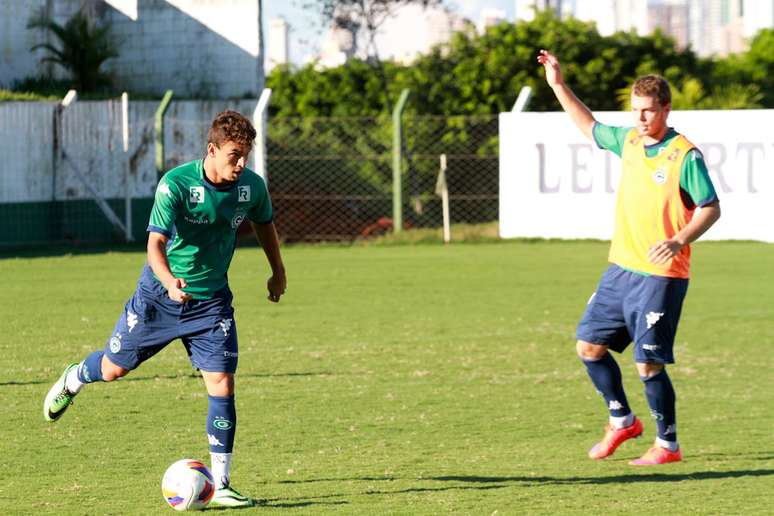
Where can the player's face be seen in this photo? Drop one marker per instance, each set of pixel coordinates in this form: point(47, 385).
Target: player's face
point(650, 116)
point(230, 160)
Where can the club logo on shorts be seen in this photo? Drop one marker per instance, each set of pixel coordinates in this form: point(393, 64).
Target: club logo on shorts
point(222, 424)
point(652, 318)
point(131, 320)
point(115, 343)
point(225, 326)
point(196, 194)
point(659, 177)
point(244, 193)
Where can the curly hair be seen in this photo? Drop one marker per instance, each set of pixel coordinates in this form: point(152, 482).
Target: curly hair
point(231, 126)
point(653, 86)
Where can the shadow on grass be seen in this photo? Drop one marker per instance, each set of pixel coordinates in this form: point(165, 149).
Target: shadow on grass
point(615, 479)
point(14, 383)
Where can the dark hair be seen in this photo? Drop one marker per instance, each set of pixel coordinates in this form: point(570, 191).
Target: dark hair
point(653, 86)
point(231, 126)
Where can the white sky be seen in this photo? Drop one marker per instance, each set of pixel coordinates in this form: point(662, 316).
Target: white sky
point(306, 30)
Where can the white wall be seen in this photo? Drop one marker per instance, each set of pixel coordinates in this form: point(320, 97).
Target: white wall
point(205, 48)
point(90, 138)
point(554, 183)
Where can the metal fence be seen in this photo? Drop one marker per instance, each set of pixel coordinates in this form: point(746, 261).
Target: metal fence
point(332, 178)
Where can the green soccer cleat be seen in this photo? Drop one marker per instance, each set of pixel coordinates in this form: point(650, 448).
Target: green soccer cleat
point(227, 496)
point(58, 397)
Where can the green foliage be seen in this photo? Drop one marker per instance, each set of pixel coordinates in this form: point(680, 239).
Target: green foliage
point(482, 74)
point(9, 96)
point(83, 48)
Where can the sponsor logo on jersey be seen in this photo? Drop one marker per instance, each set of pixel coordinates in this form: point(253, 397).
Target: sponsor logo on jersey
point(652, 318)
point(244, 193)
point(196, 194)
point(192, 220)
point(115, 343)
point(659, 177)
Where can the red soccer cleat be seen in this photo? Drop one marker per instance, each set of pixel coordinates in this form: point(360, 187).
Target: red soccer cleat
point(614, 437)
point(658, 455)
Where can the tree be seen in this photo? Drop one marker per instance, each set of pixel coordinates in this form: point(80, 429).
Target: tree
point(366, 15)
point(83, 48)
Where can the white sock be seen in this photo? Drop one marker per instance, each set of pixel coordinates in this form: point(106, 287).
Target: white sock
point(669, 445)
point(72, 383)
point(623, 421)
point(221, 469)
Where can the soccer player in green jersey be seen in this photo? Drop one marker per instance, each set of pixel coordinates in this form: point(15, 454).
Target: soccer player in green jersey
point(183, 290)
point(639, 297)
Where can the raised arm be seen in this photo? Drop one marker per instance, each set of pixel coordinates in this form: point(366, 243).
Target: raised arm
point(578, 111)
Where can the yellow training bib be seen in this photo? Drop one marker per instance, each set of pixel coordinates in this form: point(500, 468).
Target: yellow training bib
point(649, 207)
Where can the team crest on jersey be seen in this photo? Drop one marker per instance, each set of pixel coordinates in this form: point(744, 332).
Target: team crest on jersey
point(659, 177)
point(237, 220)
point(196, 194)
point(244, 193)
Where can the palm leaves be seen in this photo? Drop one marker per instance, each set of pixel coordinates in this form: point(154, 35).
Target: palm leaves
point(83, 47)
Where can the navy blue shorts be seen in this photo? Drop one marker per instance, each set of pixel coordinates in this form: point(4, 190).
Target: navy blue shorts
point(629, 307)
point(151, 320)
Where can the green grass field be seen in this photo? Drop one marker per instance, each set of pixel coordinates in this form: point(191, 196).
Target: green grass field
point(393, 380)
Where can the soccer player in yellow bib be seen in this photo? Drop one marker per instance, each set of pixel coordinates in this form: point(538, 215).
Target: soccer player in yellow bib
point(639, 297)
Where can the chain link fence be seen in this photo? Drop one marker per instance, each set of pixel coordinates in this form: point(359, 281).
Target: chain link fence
point(332, 178)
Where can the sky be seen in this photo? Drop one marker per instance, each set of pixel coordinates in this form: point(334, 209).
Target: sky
point(307, 30)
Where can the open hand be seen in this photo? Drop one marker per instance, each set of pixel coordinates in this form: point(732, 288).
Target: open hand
point(663, 251)
point(551, 65)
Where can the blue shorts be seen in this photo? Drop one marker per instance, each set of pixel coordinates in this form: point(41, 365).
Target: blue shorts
point(151, 320)
point(629, 307)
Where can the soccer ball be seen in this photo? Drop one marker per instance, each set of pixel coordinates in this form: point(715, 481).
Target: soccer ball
point(187, 485)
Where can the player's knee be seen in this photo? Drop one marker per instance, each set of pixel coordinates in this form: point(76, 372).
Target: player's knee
point(649, 369)
point(589, 351)
point(219, 384)
point(111, 371)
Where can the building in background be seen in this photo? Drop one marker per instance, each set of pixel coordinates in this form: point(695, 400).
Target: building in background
point(612, 16)
point(525, 9)
point(277, 43)
point(489, 18)
point(196, 48)
point(672, 18)
point(428, 27)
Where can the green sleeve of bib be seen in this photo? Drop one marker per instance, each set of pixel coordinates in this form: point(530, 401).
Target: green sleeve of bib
point(695, 179)
point(610, 137)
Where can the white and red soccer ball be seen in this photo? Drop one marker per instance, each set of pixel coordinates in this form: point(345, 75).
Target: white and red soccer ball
point(187, 485)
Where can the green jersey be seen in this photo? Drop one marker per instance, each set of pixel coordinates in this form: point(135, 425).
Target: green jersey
point(695, 182)
point(201, 221)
